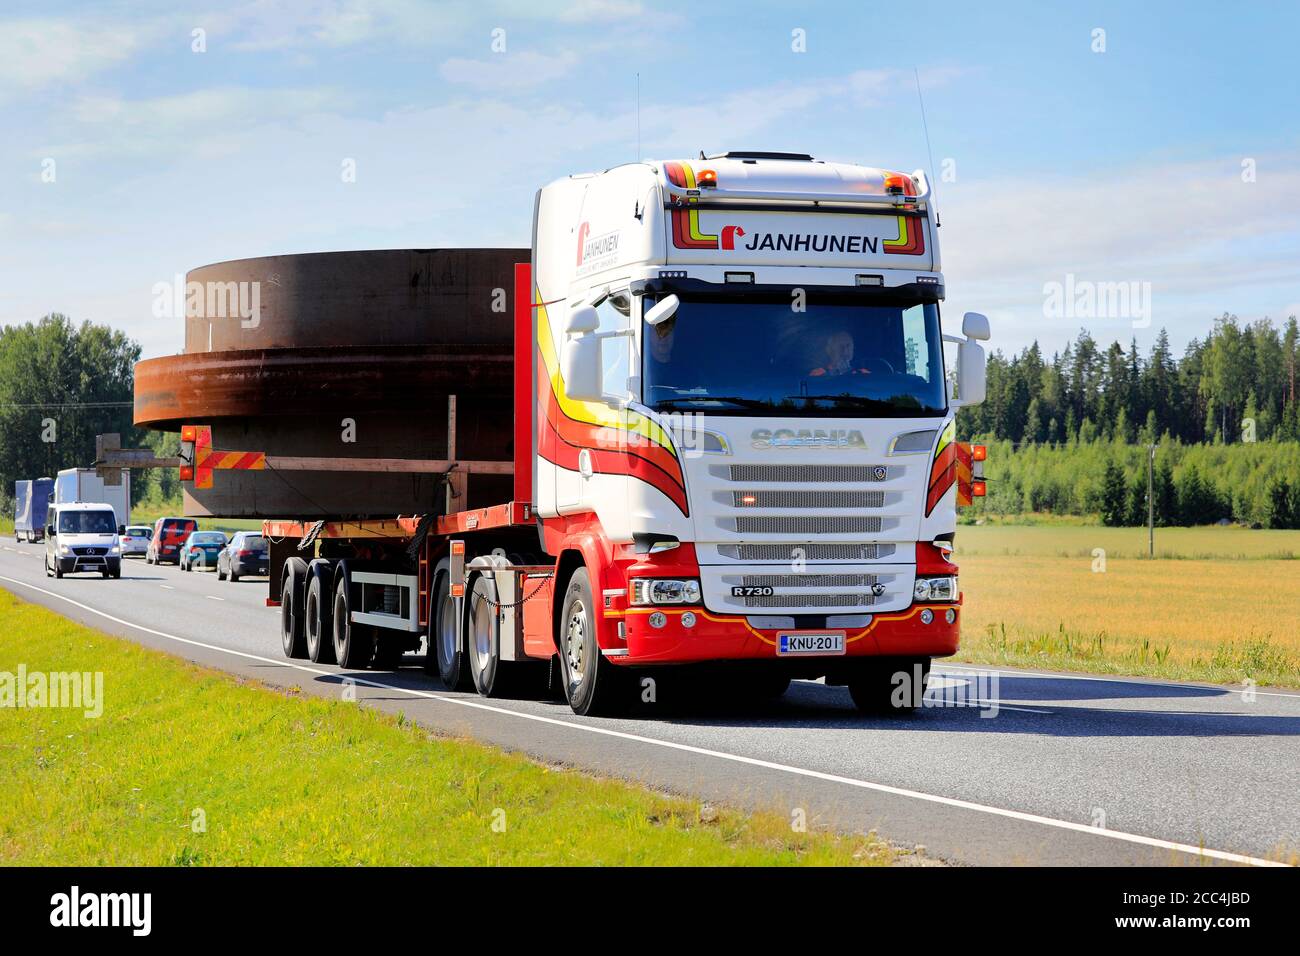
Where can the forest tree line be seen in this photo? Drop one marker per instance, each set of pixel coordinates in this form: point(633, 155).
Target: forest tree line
point(1069, 434)
point(61, 384)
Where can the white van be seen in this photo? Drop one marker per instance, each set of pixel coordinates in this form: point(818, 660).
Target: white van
point(82, 537)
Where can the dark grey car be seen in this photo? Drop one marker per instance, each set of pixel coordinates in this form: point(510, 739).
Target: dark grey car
point(245, 554)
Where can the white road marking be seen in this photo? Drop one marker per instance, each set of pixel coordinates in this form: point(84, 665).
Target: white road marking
point(167, 587)
point(699, 751)
point(213, 598)
point(1116, 679)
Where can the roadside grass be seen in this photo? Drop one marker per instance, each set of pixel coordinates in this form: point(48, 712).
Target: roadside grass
point(1222, 621)
point(279, 778)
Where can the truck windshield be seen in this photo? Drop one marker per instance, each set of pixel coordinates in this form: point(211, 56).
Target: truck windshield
point(760, 355)
point(87, 522)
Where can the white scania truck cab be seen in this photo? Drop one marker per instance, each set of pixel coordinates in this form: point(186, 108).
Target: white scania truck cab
point(743, 376)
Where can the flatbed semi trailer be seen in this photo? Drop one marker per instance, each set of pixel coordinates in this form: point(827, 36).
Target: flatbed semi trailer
point(733, 445)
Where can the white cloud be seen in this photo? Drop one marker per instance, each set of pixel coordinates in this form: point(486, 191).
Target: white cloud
point(1193, 230)
point(590, 11)
point(37, 53)
point(508, 71)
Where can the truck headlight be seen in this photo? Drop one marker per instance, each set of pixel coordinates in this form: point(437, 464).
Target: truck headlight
point(936, 589)
point(64, 549)
point(114, 549)
point(665, 591)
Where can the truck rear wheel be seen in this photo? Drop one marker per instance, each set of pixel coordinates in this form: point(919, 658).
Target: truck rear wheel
point(592, 684)
point(320, 633)
point(446, 652)
point(890, 686)
point(492, 676)
point(293, 637)
point(354, 644)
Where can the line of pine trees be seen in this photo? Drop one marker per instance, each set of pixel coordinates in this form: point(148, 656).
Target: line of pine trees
point(1069, 435)
point(1239, 383)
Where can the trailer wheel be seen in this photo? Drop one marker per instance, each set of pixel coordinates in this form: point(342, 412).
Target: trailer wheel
point(354, 644)
point(592, 684)
point(319, 624)
point(446, 657)
point(888, 686)
point(293, 636)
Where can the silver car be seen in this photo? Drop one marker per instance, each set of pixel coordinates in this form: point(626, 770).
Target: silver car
point(134, 541)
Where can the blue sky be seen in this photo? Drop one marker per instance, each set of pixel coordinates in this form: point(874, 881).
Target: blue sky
point(1115, 166)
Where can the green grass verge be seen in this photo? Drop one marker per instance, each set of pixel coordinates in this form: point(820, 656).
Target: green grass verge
point(282, 778)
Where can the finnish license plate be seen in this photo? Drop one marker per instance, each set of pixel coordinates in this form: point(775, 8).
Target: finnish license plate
point(811, 643)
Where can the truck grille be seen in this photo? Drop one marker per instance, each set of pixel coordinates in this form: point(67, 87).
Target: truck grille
point(810, 600)
point(803, 525)
point(808, 499)
point(795, 474)
point(808, 552)
point(809, 580)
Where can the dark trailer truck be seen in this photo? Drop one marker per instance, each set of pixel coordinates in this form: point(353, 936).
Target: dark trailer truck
point(31, 502)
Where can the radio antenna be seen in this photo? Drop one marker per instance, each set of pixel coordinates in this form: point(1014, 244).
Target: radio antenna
point(638, 117)
point(934, 180)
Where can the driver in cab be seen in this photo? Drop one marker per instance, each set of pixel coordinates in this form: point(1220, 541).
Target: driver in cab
point(839, 358)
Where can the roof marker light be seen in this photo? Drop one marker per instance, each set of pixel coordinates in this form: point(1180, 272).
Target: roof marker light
point(738, 276)
point(869, 280)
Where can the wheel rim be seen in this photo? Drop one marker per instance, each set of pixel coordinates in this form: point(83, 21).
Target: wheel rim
point(447, 632)
point(286, 619)
point(575, 642)
point(482, 618)
point(340, 614)
point(313, 622)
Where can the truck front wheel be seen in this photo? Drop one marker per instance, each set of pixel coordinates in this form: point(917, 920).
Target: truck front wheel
point(890, 686)
point(592, 684)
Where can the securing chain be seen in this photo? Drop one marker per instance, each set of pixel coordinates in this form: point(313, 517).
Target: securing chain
point(521, 602)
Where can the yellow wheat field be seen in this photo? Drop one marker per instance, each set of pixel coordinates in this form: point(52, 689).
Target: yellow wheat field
point(1218, 619)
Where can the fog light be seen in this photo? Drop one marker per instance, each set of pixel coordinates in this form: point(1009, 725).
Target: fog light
point(657, 619)
point(950, 616)
point(688, 619)
point(927, 616)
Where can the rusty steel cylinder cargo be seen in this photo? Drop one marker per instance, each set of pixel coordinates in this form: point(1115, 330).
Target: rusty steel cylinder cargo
point(342, 355)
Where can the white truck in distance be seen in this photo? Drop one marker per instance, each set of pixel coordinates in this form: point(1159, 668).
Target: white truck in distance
point(734, 447)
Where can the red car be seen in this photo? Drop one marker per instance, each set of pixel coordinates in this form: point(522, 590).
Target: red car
point(168, 536)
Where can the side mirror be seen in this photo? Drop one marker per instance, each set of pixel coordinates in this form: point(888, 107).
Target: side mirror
point(582, 318)
point(971, 373)
point(663, 310)
point(121, 529)
point(975, 325)
point(581, 366)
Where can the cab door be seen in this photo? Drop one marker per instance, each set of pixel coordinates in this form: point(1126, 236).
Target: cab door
point(51, 538)
point(574, 489)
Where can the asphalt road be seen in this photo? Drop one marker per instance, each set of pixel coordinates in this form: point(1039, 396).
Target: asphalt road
point(1036, 768)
